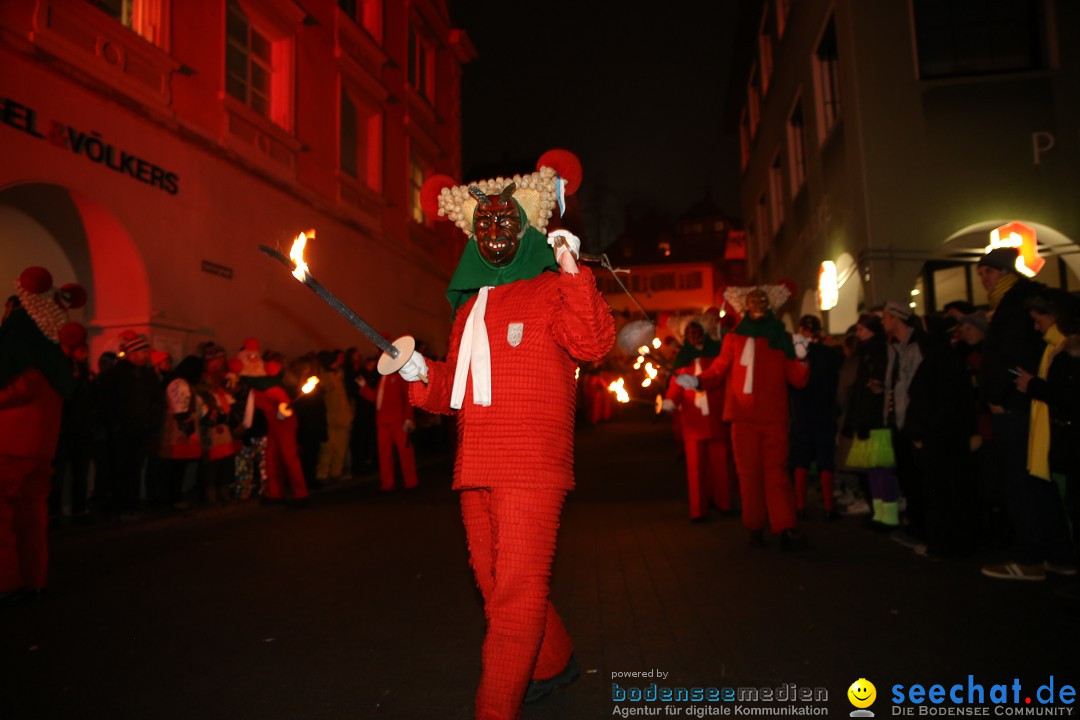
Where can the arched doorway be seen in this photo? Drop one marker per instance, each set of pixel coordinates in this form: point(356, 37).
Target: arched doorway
point(80, 241)
point(951, 275)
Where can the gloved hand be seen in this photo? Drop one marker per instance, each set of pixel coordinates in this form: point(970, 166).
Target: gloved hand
point(690, 382)
point(360, 381)
point(408, 426)
point(414, 369)
point(667, 406)
point(284, 411)
point(563, 241)
point(801, 348)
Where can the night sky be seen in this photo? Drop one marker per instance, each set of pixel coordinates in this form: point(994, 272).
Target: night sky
point(637, 93)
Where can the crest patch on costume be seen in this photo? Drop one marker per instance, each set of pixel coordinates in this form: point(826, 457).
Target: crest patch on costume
point(514, 332)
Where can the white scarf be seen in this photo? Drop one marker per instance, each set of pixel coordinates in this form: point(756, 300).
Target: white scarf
point(474, 354)
point(701, 398)
point(747, 361)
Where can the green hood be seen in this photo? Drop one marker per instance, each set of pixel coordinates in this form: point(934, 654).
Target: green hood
point(473, 272)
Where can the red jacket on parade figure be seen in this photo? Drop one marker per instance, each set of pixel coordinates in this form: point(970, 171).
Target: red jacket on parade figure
point(35, 377)
point(282, 453)
point(758, 362)
point(525, 318)
point(395, 421)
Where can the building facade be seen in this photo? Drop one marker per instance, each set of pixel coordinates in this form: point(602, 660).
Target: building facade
point(883, 142)
point(150, 147)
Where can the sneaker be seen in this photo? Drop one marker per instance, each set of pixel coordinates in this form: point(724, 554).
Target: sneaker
point(539, 689)
point(1059, 568)
point(1014, 571)
point(859, 507)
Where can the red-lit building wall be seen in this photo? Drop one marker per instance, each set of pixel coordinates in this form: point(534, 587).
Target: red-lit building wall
point(131, 166)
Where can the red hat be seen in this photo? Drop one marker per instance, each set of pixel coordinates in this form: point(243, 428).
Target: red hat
point(46, 305)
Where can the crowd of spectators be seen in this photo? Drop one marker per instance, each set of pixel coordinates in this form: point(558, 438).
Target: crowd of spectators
point(140, 435)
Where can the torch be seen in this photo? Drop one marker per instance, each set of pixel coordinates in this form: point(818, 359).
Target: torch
point(395, 354)
point(617, 387)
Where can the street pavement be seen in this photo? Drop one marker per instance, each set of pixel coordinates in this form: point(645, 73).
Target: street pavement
point(363, 606)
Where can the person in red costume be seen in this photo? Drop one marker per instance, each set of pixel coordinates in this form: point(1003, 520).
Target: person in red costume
point(282, 453)
point(525, 320)
point(35, 377)
point(758, 361)
point(706, 437)
point(395, 422)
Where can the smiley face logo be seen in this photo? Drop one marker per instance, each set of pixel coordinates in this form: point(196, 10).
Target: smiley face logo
point(862, 693)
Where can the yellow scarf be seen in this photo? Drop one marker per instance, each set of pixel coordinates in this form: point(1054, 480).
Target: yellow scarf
point(1003, 285)
point(1039, 430)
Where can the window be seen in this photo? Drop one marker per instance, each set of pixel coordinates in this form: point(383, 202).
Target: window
point(258, 66)
point(796, 148)
point(365, 13)
point(782, 9)
point(753, 100)
point(827, 81)
point(744, 139)
point(761, 218)
point(360, 145)
point(421, 65)
point(145, 17)
point(416, 181)
point(776, 193)
point(978, 37)
point(766, 52)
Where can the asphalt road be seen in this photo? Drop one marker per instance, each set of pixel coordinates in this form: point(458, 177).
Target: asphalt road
point(363, 606)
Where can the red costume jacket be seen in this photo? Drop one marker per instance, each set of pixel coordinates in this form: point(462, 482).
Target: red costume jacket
point(394, 408)
point(695, 424)
point(538, 330)
point(29, 417)
point(773, 372)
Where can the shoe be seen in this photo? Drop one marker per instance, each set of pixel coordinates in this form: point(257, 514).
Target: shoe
point(831, 516)
point(271, 501)
point(132, 517)
point(859, 507)
point(299, 504)
point(1015, 571)
point(699, 520)
point(792, 539)
point(757, 538)
point(1059, 568)
point(539, 689)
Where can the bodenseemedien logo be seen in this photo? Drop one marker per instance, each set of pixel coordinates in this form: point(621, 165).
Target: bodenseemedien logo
point(862, 694)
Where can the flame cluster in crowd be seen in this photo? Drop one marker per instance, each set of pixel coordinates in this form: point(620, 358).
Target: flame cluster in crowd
point(617, 387)
point(650, 370)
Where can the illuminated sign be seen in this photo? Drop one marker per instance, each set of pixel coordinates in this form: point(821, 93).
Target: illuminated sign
point(828, 286)
point(1020, 236)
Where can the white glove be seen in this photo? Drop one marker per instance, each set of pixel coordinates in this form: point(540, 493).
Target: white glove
point(801, 345)
point(408, 426)
point(414, 369)
point(573, 243)
point(667, 406)
point(690, 382)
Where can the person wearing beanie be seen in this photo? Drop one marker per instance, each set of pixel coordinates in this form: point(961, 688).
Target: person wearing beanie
point(36, 376)
point(1012, 345)
point(132, 405)
point(813, 417)
point(758, 361)
point(705, 435)
point(527, 315)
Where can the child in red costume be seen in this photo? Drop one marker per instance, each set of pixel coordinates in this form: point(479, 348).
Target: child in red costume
point(395, 422)
point(35, 376)
point(758, 361)
point(524, 321)
point(706, 437)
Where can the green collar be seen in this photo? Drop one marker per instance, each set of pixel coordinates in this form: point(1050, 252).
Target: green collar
point(769, 328)
point(473, 272)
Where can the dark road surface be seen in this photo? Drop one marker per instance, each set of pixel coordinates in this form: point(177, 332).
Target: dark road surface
point(363, 606)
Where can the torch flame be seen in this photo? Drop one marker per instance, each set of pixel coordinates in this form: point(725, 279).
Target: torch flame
point(296, 254)
point(309, 385)
point(656, 343)
point(620, 392)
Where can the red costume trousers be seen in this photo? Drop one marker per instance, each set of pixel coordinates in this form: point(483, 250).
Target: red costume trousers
point(708, 475)
point(512, 533)
point(391, 437)
point(761, 450)
point(283, 458)
point(24, 522)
